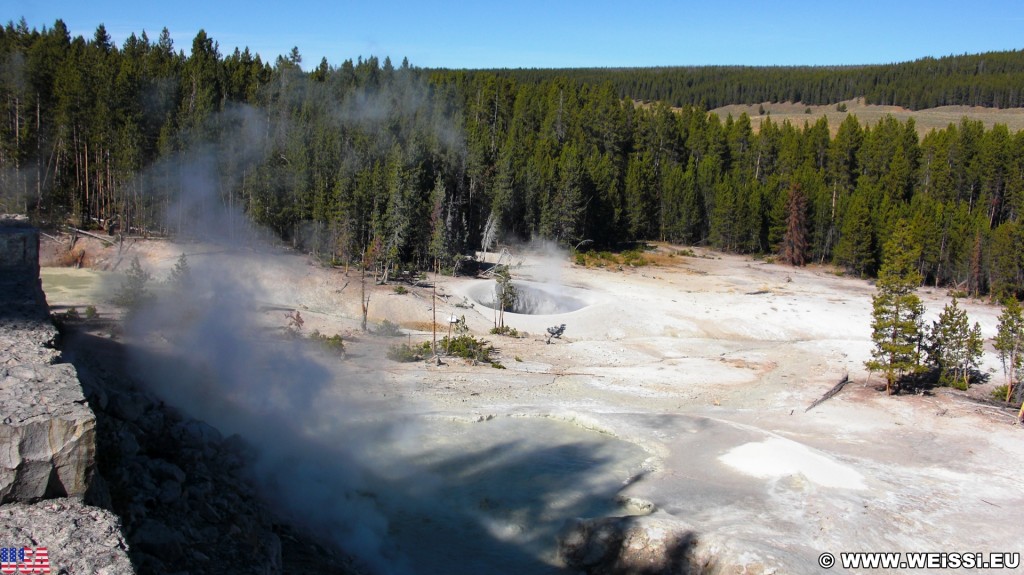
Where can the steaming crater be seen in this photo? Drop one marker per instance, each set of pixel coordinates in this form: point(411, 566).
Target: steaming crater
point(534, 298)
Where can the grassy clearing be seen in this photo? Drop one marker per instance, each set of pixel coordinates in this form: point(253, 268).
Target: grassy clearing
point(925, 120)
point(613, 260)
point(654, 254)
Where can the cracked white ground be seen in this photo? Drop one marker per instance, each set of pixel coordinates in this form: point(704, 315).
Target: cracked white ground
point(679, 389)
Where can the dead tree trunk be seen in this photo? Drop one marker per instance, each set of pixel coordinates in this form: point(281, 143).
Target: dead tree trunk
point(835, 389)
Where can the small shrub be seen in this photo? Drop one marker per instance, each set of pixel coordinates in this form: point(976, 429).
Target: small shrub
point(468, 347)
point(71, 313)
point(388, 329)
point(841, 107)
point(519, 359)
point(597, 259)
point(999, 393)
point(406, 353)
point(400, 290)
point(505, 330)
point(90, 312)
point(955, 384)
point(633, 258)
point(497, 365)
point(333, 343)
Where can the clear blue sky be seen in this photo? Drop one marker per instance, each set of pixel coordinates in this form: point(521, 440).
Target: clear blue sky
point(555, 33)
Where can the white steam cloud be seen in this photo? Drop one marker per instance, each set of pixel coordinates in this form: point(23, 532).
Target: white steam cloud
point(204, 351)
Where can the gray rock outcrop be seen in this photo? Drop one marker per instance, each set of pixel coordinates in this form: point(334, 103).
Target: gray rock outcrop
point(177, 484)
point(78, 538)
point(47, 432)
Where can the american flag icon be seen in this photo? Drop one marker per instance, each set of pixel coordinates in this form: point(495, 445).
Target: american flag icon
point(24, 560)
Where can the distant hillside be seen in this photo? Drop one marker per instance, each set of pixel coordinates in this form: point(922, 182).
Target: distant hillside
point(991, 80)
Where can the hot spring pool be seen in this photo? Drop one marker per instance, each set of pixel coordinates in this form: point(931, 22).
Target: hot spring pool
point(533, 298)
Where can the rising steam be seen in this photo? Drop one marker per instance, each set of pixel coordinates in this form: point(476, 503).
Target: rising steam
point(319, 449)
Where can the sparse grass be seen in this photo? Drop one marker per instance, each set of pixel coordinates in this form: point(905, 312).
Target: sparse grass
point(425, 326)
point(634, 258)
point(597, 259)
point(400, 290)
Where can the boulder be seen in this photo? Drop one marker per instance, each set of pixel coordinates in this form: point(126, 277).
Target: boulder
point(47, 433)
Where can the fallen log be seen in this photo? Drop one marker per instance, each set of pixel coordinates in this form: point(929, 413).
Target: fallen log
point(109, 240)
point(830, 393)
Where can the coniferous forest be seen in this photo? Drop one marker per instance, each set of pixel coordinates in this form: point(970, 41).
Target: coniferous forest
point(403, 165)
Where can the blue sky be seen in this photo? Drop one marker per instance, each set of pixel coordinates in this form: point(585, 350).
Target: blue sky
point(554, 33)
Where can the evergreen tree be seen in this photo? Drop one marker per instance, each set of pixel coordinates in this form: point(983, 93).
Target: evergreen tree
point(181, 275)
point(505, 294)
point(856, 248)
point(1009, 344)
point(896, 323)
point(133, 291)
point(794, 243)
point(954, 346)
point(440, 225)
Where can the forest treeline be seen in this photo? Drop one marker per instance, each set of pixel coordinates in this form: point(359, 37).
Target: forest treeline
point(992, 79)
point(404, 165)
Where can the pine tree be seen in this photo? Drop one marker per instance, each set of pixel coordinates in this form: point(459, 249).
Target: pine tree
point(856, 247)
point(896, 317)
point(181, 275)
point(954, 347)
point(1009, 344)
point(794, 243)
point(440, 212)
point(505, 294)
point(133, 291)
